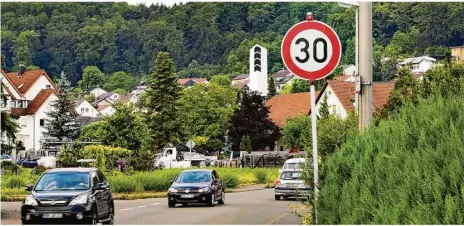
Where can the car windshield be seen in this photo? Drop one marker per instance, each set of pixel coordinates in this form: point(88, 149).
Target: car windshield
point(290, 176)
point(194, 177)
point(6, 157)
point(293, 166)
point(63, 181)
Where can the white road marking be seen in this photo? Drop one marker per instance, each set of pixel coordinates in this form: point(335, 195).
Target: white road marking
point(127, 209)
point(141, 206)
point(154, 204)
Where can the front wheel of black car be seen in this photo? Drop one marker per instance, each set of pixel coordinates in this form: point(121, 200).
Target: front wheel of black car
point(211, 200)
point(24, 222)
point(110, 220)
point(223, 198)
point(93, 220)
point(277, 197)
point(171, 204)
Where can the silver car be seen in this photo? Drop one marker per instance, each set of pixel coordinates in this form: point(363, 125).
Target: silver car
point(291, 184)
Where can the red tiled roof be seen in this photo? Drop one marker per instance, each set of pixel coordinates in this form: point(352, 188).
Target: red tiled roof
point(341, 78)
point(286, 106)
point(35, 104)
point(101, 107)
point(41, 97)
point(182, 81)
point(345, 92)
point(28, 78)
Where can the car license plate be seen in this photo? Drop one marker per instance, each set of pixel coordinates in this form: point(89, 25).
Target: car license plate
point(52, 215)
point(187, 196)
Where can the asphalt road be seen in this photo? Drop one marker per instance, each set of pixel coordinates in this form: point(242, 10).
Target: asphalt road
point(253, 207)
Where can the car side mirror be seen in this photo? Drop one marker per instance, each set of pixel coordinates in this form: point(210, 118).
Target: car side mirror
point(216, 181)
point(101, 186)
point(29, 188)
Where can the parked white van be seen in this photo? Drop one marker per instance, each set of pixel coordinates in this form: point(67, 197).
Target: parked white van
point(293, 164)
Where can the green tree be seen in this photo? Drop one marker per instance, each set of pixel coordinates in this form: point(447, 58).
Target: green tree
point(24, 47)
point(295, 133)
point(252, 119)
point(222, 80)
point(92, 77)
point(160, 102)
point(272, 88)
point(119, 80)
point(324, 110)
point(205, 112)
point(62, 119)
point(245, 144)
point(300, 86)
point(9, 127)
point(406, 90)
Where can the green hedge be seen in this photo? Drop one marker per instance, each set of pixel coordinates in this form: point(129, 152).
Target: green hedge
point(149, 181)
point(408, 170)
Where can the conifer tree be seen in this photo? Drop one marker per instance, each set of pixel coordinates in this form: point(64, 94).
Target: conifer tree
point(62, 122)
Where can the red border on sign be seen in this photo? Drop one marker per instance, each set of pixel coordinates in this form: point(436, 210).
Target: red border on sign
point(333, 38)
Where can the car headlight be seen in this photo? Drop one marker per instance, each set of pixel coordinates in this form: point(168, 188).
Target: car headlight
point(173, 190)
point(30, 200)
point(81, 199)
point(205, 189)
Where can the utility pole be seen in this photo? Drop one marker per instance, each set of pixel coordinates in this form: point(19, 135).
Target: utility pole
point(365, 64)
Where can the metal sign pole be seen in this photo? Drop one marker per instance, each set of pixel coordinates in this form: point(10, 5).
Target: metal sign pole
point(314, 136)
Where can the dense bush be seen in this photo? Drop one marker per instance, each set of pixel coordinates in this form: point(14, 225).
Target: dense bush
point(123, 185)
point(408, 170)
point(15, 182)
point(260, 175)
point(230, 180)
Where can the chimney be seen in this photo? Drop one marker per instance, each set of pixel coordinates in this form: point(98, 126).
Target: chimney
point(21, 70)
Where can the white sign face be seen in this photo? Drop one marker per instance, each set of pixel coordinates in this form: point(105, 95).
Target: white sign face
point(190, 144)
point(311, 50)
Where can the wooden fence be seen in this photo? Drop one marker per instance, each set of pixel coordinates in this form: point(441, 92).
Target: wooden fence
point(255, 161)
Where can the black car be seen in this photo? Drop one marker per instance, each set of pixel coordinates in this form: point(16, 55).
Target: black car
point(69, 196)
point(196, 186)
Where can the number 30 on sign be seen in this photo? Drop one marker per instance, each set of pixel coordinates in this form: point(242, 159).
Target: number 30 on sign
point(311, 50)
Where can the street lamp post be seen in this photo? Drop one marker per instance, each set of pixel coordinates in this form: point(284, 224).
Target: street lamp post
point(349, 5)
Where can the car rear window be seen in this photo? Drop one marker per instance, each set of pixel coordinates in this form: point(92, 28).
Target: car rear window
point(293, 166)
point(290, 176)
point(63, 181)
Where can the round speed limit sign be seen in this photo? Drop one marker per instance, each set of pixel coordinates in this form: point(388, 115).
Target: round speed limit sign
point(311, 50)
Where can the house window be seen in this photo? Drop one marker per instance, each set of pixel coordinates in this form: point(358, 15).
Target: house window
point(87, 110)
point(47, 86)
point(82, 110)
point(42, 122)
point(415, 67)
point(329, 93)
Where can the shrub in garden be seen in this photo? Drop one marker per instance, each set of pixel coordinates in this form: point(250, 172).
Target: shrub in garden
point(15, 182)
point(123, 184)
point(104, 154)
point(230, 180)
point(407, 170)
point(260, 175)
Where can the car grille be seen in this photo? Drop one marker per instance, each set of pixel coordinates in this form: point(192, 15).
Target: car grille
point(184, 190)
point(53, 202)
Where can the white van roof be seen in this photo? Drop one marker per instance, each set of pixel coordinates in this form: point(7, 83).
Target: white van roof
point(296, 160)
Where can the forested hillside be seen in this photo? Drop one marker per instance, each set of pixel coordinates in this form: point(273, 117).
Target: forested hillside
point(204, 38)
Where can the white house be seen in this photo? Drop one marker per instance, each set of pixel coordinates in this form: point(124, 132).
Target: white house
point(84, 108)
point(105, 99)
point(340, 96)
point(28, 96)
point(142, 87)
point(418, 64)
point(349, 70)
point(106, 110)
point(98, 91)
point(282, 78)
point(258, 70)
